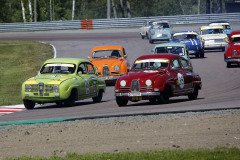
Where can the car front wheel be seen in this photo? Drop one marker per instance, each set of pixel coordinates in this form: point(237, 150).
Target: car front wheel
point(121, 102)
point(165, 95)
point(28, 104)
point(193, 95)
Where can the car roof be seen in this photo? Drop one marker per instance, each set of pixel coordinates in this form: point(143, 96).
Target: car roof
point(117, 47)
point(170, 44)
point(211, 27)
point(157, 56)
point(66, 60)
point(185, 32)
point(157, 22)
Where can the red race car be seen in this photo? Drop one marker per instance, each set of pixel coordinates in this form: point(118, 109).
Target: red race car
point(156, 78)
point(232, 53)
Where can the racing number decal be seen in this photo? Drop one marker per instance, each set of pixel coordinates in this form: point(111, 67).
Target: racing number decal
point(180, 80)
point(87, 86)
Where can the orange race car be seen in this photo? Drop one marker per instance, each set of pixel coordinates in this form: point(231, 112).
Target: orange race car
point(110, 62)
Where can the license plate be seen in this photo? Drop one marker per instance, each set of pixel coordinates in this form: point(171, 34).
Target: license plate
point(134, 94)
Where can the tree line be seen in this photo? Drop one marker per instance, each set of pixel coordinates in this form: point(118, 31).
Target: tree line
point(55, 10)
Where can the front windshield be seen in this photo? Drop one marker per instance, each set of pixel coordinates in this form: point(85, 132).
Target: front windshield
point(212, 31)
point(184, 36)
point(236, 38)
point(170, 49)
point(146, 64)
point(62, 68)
point(160, 25)
point(106, 54)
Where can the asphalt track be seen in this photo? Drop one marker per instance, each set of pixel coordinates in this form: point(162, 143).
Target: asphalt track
point(220, 90)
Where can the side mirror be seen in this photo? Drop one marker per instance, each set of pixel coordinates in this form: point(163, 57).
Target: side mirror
point(88, 57)
point(125, 56)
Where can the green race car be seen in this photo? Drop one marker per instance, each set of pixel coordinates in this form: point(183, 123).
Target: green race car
point(63, 81)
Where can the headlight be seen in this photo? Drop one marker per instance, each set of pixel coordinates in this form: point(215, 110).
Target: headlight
point(152, 32)
point(55, 89)
point(234, 52)
point(226, 39)
point(28, 88)
point(123, 83)
point(148, 82)
point(116, 68)
point(96, 68)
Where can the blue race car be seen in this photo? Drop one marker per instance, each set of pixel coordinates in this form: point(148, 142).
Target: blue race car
point(190, 38)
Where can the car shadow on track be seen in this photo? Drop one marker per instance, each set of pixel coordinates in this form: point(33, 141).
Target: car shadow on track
point(76, 104)
point(171, 101)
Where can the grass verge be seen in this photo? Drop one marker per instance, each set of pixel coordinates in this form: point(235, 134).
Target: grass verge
point(19, 61)
point(220, 153)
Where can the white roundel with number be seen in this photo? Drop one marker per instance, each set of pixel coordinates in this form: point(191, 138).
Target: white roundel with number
point(180, 80)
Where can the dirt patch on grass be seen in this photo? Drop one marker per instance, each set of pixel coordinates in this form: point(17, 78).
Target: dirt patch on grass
point(205, 131)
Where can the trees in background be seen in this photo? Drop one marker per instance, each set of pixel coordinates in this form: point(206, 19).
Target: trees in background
point(55, 10)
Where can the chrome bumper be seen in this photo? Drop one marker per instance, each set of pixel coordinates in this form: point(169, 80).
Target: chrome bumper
point(110, 77)
point(142, 94)
point(232, 60)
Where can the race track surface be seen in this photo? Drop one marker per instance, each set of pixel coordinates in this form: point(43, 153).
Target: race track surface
point(220, 85)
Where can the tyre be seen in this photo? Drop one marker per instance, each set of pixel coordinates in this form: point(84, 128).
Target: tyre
point(223, 49)
point(165, 95)
point(150, 40)
point(121, 102)
point(197, 55)
point(229, 65)
point(142, 36)
point(28, 104)
point(153, 100)
point(71, 99)
point(59, 103)
point(202, 54)
point(193, 95)
point(98, 98)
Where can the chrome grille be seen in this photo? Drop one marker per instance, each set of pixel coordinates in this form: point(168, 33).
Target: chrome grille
point(105, 71)
point(135, 85)
point(41, 88)
point(146, 88)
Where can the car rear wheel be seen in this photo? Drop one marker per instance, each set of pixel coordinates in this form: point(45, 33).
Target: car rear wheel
point(121, 102)
point(98, 98)
point(193, 95)
point(165, 95)
point(28, 104)
point(202, 54)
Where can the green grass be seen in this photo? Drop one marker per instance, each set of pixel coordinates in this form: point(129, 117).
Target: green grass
point(19, 60)
point(220, 153)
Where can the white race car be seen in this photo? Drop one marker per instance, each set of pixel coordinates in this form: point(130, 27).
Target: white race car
point(214, 37)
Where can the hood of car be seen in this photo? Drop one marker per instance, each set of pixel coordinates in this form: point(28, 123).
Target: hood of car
point(214, 36)
point(48, 79)
point(144, 74)
point(99, 63)
point(188, 42)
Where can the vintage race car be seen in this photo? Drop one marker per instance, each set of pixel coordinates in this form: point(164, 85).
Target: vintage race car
point(63, 81)
point(160, 31)
point(226, 26)
point(156, 78)
point(194, 44)
point(110, 62)
point(173, 48)
point(232, 53)
point(213, 37)
point(144, 29)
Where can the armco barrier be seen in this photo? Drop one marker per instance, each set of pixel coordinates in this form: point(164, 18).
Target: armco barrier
point(117, 23)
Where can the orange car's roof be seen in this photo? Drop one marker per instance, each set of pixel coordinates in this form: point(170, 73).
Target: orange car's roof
point(107, 48)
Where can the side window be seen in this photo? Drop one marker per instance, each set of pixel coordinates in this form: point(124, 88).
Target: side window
point(184, 63)
point(82, 69)
point(175, 64)
point(90, 69)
